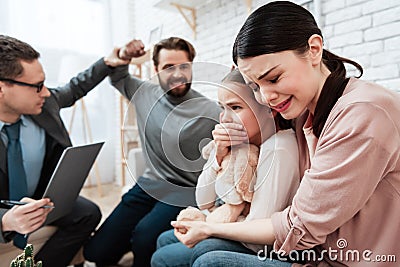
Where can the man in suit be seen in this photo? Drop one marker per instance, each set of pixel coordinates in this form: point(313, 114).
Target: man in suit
point(25, 100)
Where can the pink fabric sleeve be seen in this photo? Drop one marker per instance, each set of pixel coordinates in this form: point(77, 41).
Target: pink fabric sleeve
point(354, 152)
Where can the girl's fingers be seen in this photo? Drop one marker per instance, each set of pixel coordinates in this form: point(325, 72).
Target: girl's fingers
point(229, 130)
point(230, 139)
point(229, 133)
point(227, 138)
point(229, 125)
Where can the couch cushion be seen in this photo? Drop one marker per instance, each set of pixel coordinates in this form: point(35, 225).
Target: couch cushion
point(8, 252)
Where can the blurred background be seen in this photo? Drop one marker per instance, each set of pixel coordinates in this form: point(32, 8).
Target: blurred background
point(70, 35)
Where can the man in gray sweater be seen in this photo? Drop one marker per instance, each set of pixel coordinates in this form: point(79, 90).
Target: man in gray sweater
point(174, 121)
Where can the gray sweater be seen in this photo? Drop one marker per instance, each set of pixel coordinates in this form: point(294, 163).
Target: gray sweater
point(172, 132)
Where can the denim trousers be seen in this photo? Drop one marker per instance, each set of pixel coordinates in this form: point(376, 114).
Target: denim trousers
point(172, 253)
point(235, 259)
point(134, 225)
point(209, 252)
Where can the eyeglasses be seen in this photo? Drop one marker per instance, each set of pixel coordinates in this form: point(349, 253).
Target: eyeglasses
point(38, 86)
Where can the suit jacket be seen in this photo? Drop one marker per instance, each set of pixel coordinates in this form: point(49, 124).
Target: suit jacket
point(57, 138)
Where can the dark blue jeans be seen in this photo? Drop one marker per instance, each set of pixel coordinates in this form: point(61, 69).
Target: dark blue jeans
point(225, 253)
point(235, 259)
point(172, 253)
point(217, 244)
point(209, 252)
point(134, 225)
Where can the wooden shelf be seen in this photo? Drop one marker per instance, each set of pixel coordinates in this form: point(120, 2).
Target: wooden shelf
point(168, 4)
point(249, 4)
point(187, 8)
point(129, 128)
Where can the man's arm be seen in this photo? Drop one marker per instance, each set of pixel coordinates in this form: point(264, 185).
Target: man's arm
point(125, 83)
point(116, 63)
point(81, 84)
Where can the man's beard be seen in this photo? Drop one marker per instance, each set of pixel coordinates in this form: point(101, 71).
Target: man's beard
point(175, 92)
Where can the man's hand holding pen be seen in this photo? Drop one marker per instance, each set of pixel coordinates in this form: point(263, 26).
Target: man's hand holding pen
point(26, 218)
point(12, 203)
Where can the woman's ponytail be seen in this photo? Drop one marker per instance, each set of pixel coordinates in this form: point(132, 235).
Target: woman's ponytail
point(332, 89)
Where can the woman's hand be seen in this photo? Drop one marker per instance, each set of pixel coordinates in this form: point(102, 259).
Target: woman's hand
point(194, 231)
point(226, 135)
point(258, 231)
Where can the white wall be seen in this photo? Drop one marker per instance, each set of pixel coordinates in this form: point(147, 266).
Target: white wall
point(75, 32)
point(367, 31)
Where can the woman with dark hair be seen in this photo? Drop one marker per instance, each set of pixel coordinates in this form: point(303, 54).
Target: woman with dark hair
point(345, 212)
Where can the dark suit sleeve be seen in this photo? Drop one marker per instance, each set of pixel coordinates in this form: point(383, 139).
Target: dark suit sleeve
point(80, 85)
point(4, 236)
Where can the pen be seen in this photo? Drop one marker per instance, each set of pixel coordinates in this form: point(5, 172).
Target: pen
point(13, 203)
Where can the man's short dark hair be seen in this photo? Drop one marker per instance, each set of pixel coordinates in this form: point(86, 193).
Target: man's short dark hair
point(12, 52)
point(173, 43)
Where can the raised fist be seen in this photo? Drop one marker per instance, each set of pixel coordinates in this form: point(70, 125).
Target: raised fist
point(134, 48)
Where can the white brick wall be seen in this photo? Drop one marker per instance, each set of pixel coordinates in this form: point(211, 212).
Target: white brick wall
point(367, 31)
point(359, 23)
point(342, 14)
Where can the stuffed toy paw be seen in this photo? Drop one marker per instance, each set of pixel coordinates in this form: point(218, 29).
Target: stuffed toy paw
point(235, 179)
point(191, 214)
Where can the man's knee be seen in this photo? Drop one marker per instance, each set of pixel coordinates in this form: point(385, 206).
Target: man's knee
point(94, 214)
point(88, 214)
point(144, 238)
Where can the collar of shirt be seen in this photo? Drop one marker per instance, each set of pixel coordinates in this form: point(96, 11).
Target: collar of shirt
point(2, 124)
point(22, 118)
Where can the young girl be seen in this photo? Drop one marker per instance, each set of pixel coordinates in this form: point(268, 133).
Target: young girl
point(347, 206)
point(243, 119)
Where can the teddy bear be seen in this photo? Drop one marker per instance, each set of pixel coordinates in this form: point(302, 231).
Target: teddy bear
point(234, 184)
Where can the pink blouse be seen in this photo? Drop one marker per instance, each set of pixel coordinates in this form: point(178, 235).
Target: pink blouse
point(348, 204)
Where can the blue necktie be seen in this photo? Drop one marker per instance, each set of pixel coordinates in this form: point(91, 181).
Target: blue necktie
point(16, 173)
